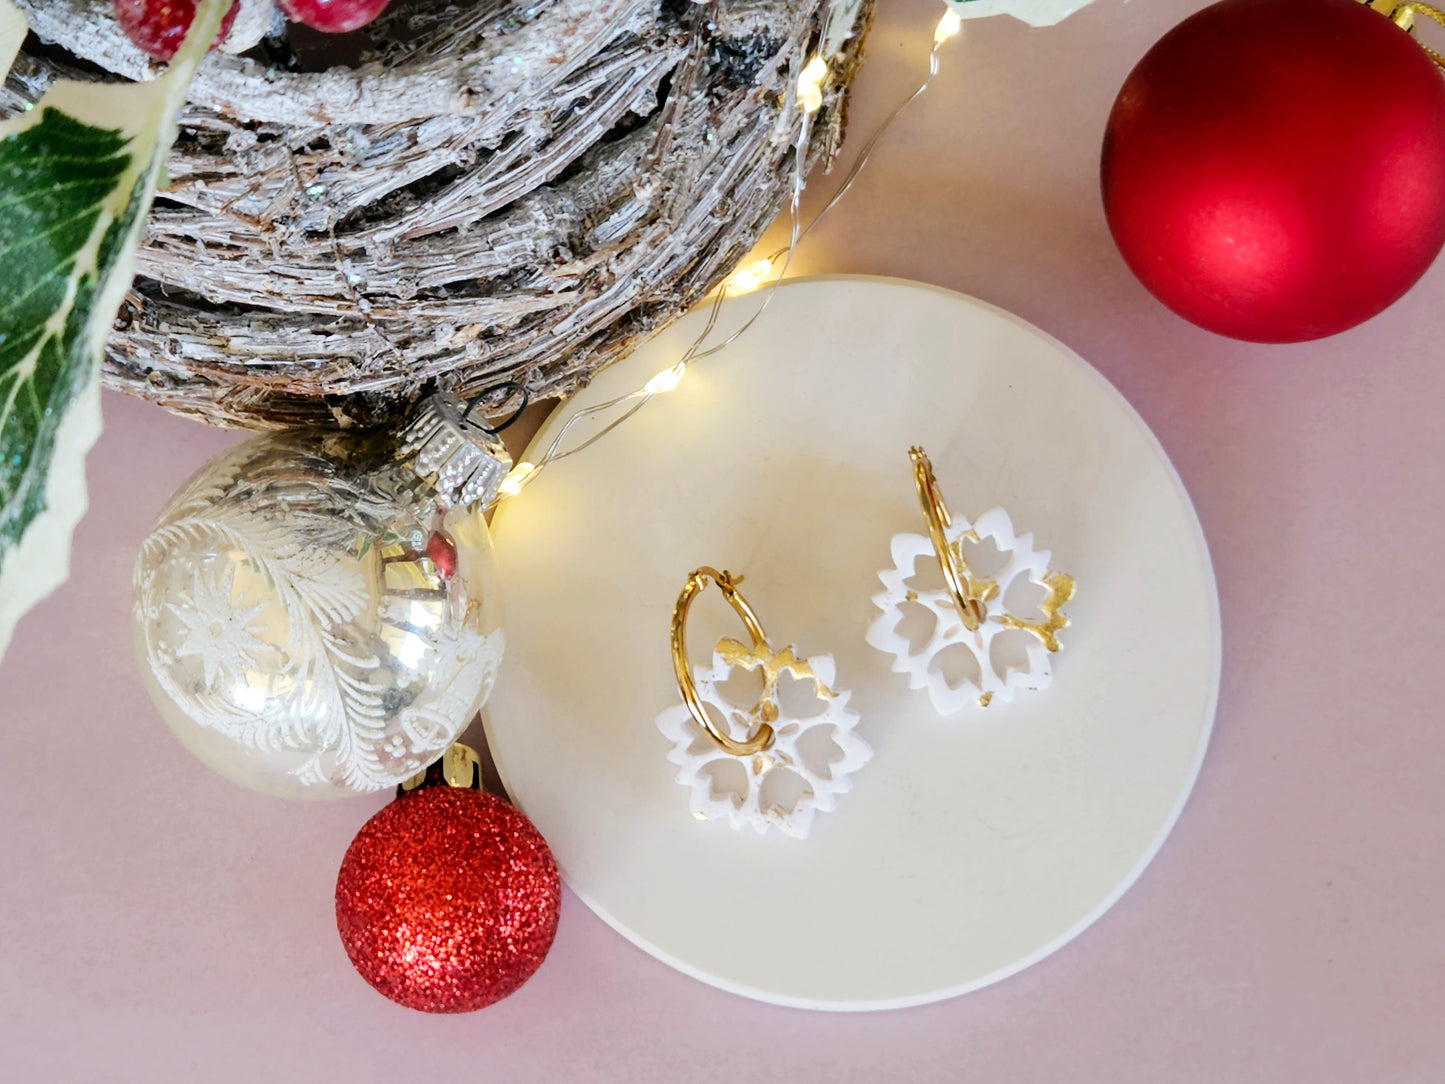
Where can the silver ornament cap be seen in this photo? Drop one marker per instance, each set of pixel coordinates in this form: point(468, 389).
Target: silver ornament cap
point(463, 460)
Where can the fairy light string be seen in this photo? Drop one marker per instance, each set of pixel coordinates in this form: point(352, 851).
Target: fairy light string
point(758, 276)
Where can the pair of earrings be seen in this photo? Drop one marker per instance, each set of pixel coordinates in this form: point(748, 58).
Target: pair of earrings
point(779, 762)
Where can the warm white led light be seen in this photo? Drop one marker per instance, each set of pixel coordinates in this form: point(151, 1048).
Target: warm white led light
point(665, 380)
point(811, 80)
point(750, 277)
point(519, 476)
point(948, 26)
point(810, 85)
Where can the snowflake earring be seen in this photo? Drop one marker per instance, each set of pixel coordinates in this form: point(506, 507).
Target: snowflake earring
point(768, 765)
point(997, 638)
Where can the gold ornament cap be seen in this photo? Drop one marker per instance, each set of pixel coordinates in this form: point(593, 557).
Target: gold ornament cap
point(460, 766)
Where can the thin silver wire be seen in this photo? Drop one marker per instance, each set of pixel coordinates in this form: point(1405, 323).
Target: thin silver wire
point(878, 133)
point(694, 352)
point(640, 398)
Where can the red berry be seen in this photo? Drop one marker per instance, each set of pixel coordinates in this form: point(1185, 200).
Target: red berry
point(443, 553)
point(333, 16)
point(159, 26)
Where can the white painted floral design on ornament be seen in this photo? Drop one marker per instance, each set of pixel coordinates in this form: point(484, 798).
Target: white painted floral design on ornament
point(1000, 668)
point(297, 612)
point(790, 762)
point(217, 629)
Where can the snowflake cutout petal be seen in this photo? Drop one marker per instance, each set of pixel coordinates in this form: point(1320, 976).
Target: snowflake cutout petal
point(995, 681)
point(696, 754)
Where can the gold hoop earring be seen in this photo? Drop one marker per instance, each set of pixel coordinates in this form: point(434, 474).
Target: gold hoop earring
point(972, 610)
point(696, 584)
point(970, 595)
point(762, 739)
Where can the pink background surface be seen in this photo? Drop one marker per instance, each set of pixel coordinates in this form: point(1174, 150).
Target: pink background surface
point(157, 923)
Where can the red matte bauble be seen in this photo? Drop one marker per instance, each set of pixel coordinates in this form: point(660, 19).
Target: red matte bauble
point(1274, 170)
point(447, 900)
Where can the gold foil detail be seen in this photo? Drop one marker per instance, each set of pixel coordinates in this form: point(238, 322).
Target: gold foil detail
point(1061, 590)
point(773, 665)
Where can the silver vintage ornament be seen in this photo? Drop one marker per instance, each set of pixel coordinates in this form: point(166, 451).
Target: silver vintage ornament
point(316, 613)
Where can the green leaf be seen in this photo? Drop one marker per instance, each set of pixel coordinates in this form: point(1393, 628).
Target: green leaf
point(78, 171)
point(56, 177)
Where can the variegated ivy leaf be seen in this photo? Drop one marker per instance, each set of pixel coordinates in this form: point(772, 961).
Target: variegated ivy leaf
point(78, 170)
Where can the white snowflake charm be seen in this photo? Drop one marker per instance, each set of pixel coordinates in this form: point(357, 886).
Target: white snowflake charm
point(986, 633)
point(770, 764)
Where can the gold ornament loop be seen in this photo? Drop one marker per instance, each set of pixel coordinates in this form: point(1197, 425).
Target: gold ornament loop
point(728, 584)
point(969, 596)
point(460, 766)
point(1403, 16)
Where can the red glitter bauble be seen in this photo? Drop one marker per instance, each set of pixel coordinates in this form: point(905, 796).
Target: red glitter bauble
point(447, 900)
point(1274, 170)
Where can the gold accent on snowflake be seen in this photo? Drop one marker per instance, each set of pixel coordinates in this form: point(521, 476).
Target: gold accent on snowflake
point(1061, 590)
